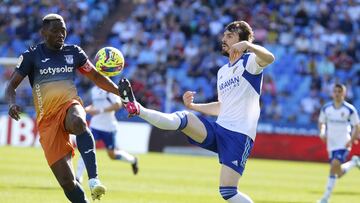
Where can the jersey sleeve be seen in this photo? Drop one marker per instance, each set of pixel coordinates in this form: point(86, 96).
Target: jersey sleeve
point(81, 57)
point(25, 64)
point(322, 116)
point(354, 117)
point(87, 67)
point(252, 66)
point(84, 65)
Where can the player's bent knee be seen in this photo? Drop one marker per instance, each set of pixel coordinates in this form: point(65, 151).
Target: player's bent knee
point(336, 163)
point(227, 192)
point(111, 154)
point(78, 125)
point(183, 118)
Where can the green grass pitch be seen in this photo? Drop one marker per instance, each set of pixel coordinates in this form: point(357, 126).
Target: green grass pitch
point(25, 177)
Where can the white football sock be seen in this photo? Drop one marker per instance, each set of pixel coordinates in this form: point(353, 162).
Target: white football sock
point(240, 198)
point(329, 187)
point(347, 166)
point(161, 120)
point(80, 169)
point(124, 156)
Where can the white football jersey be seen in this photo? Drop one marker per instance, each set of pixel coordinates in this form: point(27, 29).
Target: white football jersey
point(239, 88)
point(338, 124)
point(101, 99)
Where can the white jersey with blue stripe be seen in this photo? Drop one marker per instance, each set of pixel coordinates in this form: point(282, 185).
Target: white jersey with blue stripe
point(101, 99)
point(239, 88)
point(338, 124)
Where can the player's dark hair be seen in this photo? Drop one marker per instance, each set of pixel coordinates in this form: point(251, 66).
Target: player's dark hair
point(243, 29)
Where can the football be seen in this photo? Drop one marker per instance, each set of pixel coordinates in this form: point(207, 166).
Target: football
point(109, 61)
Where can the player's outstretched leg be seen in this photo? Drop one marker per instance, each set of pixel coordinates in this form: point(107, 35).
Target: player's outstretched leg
point(165, 121)
point(345, 167)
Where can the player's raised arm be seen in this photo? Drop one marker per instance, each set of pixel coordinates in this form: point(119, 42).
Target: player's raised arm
point(92, 110)
point(263, 56)
point(101, 81)
point(212, 108)
point(10, 94)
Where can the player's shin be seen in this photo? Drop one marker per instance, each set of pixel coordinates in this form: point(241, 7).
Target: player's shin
point(330, 186)
point(76, 195)
point(161, 120)
point(80, 170)
point(86, 146)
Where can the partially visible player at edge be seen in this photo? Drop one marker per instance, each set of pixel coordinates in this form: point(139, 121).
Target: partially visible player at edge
point(339, 127)
point(103, 125)
point(238, 86)
point(50, 67)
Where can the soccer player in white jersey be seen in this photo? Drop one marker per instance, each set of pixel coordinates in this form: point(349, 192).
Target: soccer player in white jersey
point(237, 109)
point(103, 125)
point(339, 127)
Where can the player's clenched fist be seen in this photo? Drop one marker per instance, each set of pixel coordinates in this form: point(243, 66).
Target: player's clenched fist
point(239, 47)
point(188, 99)
point(14, 111)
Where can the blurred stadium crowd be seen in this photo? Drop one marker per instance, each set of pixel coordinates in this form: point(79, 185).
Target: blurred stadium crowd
point(316, 43)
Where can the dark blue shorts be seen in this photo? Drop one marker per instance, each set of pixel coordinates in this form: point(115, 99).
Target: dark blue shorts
point(107, 137)
point(340, 154)
point(233, 148)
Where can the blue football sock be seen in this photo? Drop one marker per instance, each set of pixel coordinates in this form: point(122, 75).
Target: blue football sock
point(77, 195)
point(86, 146)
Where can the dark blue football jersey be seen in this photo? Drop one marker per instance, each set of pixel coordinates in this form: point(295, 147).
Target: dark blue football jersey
point(51, 75)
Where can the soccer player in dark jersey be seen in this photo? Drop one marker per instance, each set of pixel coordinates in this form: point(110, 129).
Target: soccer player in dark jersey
point(50, 67)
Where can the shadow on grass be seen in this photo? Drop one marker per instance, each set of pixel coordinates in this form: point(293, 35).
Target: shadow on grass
point(28, 187)
point(346, 193)
point(337, 192)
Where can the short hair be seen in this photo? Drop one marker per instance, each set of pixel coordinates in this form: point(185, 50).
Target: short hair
point(340, 86)
point(243, 29)
point(51, 17)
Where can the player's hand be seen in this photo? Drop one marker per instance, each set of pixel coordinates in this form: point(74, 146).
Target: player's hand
point(91, 110)
point(188, 99)
point(351, 142)
point(323, 138)
point(238, 49)
point(14, 111)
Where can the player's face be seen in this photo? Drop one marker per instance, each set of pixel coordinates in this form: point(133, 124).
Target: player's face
point(338, 94)
point(55, 34)
point(227, 41)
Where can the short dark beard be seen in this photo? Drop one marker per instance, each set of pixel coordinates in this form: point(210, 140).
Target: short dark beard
point(58, 47)
point(225, 53)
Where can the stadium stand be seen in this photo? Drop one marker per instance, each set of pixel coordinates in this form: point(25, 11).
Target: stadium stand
point(179, 40)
